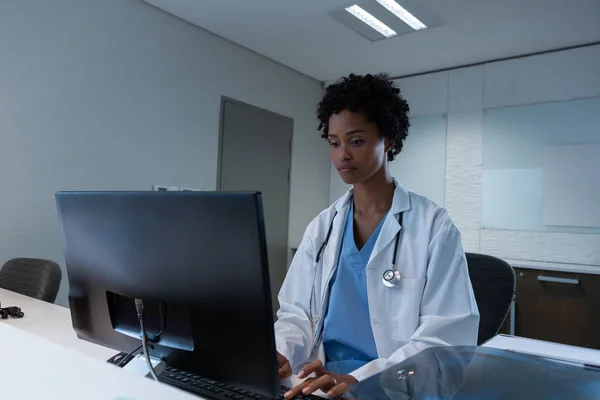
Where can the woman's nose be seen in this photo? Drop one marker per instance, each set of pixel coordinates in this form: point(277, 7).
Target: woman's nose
point(344, 155)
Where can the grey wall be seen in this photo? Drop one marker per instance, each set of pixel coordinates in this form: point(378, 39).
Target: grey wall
point(114, 94)
point(470, 97)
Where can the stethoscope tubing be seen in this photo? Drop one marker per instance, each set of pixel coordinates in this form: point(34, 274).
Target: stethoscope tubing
point(394, 272)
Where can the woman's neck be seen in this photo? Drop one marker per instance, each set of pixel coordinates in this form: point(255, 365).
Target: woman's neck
point(375, 195)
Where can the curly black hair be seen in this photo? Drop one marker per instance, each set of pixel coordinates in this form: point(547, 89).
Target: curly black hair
point(374, 95)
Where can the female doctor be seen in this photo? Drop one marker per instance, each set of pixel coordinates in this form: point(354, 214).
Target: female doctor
point(381, 274)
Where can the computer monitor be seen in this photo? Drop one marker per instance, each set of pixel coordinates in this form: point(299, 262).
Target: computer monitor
point(198, 260)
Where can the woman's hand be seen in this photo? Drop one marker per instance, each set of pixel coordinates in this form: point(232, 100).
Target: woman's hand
point(333, 385)
point(285, 369)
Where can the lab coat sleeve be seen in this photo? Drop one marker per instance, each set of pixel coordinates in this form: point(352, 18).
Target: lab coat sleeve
point(293, 329)
point(448, 312)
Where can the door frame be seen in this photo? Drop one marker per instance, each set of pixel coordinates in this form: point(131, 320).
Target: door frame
point(225, 99)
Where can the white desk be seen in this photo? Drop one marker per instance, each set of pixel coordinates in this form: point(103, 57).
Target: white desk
point(50, 322)
point(43, 358)
point(541, 348)
point(35, 368)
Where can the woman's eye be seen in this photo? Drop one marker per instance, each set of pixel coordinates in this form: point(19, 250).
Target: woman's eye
point(333, 144)
point(358, 142)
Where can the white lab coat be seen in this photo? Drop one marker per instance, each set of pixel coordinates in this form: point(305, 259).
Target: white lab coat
point(432, 305)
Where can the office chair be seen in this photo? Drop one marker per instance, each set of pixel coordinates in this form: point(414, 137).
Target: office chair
point(32, 277)
point(493, 282)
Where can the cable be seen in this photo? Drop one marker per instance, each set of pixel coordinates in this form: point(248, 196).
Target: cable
point(128, 356)
point(146, 353)
point(139, 306)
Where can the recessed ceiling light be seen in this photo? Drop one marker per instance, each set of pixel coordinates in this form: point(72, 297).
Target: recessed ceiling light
point(403, 14)
point(370, 20)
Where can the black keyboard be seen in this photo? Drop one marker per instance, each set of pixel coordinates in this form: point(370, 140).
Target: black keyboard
point(216, 390)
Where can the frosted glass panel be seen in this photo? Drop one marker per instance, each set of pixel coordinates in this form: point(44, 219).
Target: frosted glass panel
point(515, 140)
point(421, 166)
point(572, 182)
point(515, 137)
point(500, 200)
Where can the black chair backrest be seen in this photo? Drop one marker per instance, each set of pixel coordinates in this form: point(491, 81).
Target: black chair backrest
point(493, 282)
point(32, 277)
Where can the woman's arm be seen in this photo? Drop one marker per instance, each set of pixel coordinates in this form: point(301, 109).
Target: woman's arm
point(448, 313)
point(293, 329)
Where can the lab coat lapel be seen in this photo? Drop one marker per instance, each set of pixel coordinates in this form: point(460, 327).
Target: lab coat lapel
point(332, 250)
point(391, 227)
point(387, 234)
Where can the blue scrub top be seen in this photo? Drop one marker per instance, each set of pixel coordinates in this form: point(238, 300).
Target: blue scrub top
point(347, 333)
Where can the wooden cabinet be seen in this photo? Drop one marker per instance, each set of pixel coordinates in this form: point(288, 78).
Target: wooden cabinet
point(560, 307)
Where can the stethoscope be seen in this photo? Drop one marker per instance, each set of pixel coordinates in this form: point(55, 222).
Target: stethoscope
point(390, 277)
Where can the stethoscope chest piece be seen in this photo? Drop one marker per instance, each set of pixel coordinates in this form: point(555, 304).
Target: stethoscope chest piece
point(391, 277)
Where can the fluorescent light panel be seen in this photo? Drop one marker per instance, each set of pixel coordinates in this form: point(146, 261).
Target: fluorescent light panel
point(370, 20)
point(403, 14)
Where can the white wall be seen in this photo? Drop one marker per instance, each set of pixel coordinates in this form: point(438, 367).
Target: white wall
point(463, 96)
point(114, 94)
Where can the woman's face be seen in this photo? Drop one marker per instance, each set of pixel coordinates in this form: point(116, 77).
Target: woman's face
point(357, 149)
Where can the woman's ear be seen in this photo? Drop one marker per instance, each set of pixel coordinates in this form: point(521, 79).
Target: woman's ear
point(389, 145)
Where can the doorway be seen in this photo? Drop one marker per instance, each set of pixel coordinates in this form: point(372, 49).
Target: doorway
point(255, 154)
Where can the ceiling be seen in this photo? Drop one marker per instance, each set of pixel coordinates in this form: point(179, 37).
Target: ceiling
point(302, 35)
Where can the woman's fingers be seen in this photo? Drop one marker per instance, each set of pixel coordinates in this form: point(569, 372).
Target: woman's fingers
point(338, 390)
point(284, 367)
point(324, 383)
point(315, 367)
point(297, 390)
point(285, 371)
point(332, 384)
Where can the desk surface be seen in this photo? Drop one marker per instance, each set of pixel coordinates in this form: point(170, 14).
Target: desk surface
point(545, 349)
point(468, 373)
point(51, 322)
point(46, 360)
point(35, 368)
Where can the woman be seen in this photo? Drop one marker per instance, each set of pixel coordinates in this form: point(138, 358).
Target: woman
point(379, 275)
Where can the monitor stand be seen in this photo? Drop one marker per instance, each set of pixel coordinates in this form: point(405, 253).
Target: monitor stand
point(139, 366)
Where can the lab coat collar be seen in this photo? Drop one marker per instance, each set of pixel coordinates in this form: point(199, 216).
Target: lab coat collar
point(400, 203)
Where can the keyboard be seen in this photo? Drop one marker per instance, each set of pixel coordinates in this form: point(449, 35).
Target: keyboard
point(216, 390)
